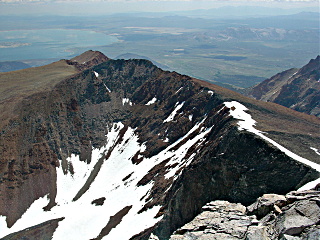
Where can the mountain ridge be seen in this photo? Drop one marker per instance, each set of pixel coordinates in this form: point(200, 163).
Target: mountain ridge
point(298, 89)
point(173, 137)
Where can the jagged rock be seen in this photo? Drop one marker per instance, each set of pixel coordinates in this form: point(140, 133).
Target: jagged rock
point(219, 220)
point(301, 212)
point(291, 223)
point(302, 195)
point(43, 231)
point(297, 216)
point(311, 233)
point(257, 233)
point(265, 204)
point(99, 201)
point(225, 220)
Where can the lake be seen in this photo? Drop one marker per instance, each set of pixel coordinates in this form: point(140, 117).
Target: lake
point(49, 43)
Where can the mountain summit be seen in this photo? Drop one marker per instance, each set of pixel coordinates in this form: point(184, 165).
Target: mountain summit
point(95, 148)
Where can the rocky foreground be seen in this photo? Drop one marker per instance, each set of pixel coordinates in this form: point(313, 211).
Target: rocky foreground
point(293, 216)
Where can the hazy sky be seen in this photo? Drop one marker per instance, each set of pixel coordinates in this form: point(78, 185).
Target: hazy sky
point(91, 7)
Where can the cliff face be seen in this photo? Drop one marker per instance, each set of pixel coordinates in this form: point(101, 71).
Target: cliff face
point(298, 89)
point(133, 144)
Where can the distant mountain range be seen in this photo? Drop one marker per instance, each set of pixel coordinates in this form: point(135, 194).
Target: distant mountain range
point(298, 89)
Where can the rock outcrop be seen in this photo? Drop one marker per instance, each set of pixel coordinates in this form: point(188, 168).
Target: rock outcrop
point(292, 216)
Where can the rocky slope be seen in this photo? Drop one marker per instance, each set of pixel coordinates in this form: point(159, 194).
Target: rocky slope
point(124, 149)
point(293, 216)
point(298, 89)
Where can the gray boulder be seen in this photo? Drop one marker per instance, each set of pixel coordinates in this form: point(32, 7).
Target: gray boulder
point(266, 204)
point(291, 217)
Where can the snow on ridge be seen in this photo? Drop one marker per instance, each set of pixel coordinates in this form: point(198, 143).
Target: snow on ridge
point(194, 128)
point(294, 74)
point(180, 153)
point(97, 75)
point(108, 89)
point(152, 101)
point(237, 110)
point(174, 112)
point(82, 219)
point(178, 90)
point(316, 150)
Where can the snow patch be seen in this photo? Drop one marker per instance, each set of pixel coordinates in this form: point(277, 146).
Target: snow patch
point(179, 90)
point(166, 140)
point(152, 101)
point(174, 112)
point(126, 100)
point(190, 117)
point(293, 74)
point(108, 89)
point(310, 185)
point(153, 237)
point(210, 92)
point(95, 73)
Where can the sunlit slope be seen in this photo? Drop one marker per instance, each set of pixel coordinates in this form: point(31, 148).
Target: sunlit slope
point(26, 82)
point(16, 85)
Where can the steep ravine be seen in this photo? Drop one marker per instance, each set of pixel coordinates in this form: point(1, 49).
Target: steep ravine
point(207, 156)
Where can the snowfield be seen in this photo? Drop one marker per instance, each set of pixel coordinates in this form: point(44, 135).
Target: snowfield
point(83, 220)
point(116, 181)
